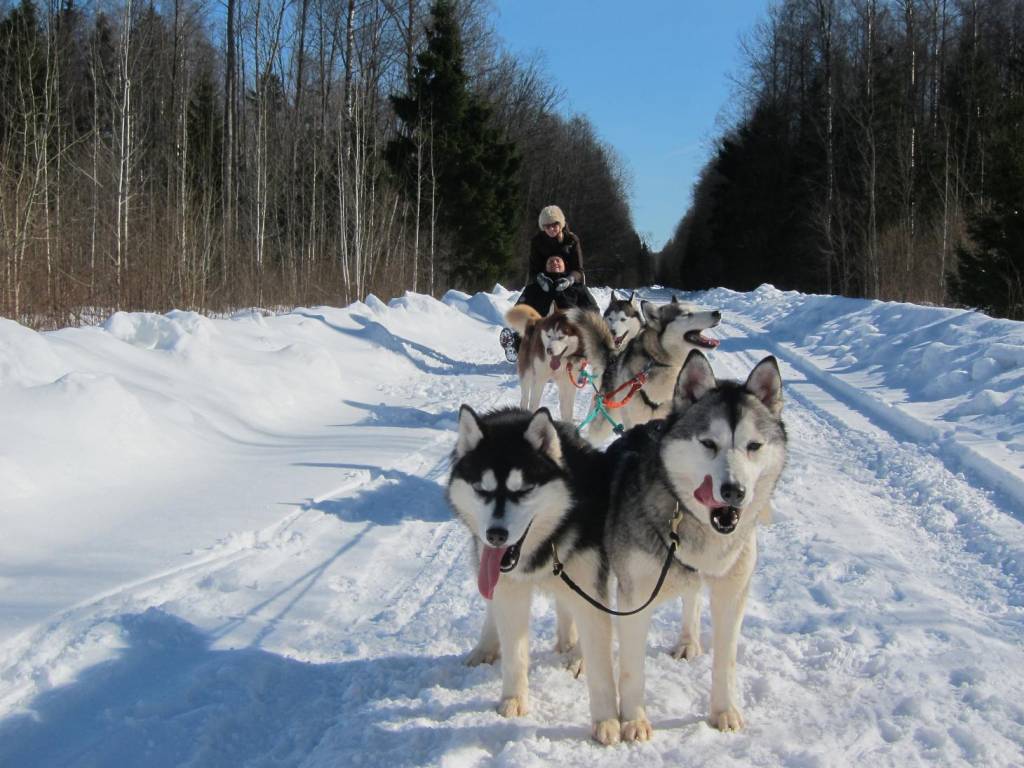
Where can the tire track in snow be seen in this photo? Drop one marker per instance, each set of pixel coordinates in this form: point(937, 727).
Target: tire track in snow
point(894, 420)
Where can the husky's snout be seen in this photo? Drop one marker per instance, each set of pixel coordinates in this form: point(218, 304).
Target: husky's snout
point(725, 514)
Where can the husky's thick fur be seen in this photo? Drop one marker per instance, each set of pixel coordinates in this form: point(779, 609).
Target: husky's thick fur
point(523, 484)
point(549, 344)
point(713, 463)
point(624, 319)
point(673, 330)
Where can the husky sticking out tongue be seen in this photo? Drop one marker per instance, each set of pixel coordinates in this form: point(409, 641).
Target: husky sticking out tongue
point(556, 362)
point(706, 496)
point(490, 569)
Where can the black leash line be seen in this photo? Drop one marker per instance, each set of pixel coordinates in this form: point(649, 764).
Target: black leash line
point(559, 570)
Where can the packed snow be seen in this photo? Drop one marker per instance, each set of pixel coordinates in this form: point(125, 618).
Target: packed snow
point(225, 542)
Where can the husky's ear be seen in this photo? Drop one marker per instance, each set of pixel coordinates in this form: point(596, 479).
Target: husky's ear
point(650, 311)
point(615, 295)
point(765, 383)
point(551, 309)
point(675, 299)
point(543, 436)
point(695, 380)
point(470, 433)
point(634, 299)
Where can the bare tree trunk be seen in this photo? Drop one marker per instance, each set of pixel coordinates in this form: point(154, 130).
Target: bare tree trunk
point(434, 212)
point(826, 16)
point(874, 278)
point(419, 207)
point(912, 105)
point(229, 155)
point(95, 70)
point(125, 147)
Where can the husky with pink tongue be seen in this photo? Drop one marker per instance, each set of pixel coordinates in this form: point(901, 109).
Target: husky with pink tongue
point(526, 487)
point(711, 467)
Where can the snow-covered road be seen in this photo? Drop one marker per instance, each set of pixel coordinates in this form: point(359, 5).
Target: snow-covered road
point(885, 627)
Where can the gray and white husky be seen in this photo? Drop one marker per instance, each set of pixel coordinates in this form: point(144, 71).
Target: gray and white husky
point(672, 331)
point(526, 487)
point(712, 466)
point(624, 319)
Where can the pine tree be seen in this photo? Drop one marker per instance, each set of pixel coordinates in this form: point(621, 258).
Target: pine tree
point(476, 170)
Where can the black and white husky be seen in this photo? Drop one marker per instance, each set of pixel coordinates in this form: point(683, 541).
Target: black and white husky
point(672, 331)
point(712, 465)
point(527, 487)
point(624, 319)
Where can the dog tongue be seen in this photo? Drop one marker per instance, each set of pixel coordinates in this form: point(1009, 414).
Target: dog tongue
point(556, 362)
point(706, 496)
point(490, 569)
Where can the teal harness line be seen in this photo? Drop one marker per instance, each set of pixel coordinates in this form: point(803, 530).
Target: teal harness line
point(599, 408)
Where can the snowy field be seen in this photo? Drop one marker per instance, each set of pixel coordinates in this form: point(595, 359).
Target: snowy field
point(225, 543)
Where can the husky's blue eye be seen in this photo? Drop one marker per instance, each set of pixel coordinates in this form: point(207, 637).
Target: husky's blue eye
point(753, 446)
point(710, 445)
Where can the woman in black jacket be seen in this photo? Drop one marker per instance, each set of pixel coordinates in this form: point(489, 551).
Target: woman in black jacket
point(555, 274)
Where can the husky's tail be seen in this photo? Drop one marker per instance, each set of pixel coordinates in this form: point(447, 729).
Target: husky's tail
point(520, 317)
point(598, 344)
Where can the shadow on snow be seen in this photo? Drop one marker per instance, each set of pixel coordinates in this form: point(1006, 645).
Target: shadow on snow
point(171, 699)
point(423, 357)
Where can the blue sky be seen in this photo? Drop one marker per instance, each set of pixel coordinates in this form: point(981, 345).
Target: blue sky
point(652, 76)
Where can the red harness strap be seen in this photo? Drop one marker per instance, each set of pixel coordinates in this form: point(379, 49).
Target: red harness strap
point(581, 381)
point(635, 385)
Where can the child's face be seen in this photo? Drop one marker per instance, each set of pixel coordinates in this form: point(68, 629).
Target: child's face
point(554, 264)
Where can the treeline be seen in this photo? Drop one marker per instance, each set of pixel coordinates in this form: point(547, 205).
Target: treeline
point(210, 156)
point(879, 153)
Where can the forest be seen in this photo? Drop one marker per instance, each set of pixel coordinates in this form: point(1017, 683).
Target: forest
point(215, 155)
point(876, 149)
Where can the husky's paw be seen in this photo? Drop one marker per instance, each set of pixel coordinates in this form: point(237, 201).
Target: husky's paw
point(728, 721)
point(513, 706)
point(637, 730)
point(482, 655)
point(687, 650)
point(607, 731)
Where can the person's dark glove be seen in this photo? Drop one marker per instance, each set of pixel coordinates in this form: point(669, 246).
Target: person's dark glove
point(564, 282)
point(544, 282)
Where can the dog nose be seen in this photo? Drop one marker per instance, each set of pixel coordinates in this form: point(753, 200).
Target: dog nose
point(497, 537)
point(733, 493)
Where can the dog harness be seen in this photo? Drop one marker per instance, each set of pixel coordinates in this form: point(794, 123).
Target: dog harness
point(558, 568)
point(600, 408)
point(604, 402)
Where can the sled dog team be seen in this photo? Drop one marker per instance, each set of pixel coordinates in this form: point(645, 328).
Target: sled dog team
point(670, 506)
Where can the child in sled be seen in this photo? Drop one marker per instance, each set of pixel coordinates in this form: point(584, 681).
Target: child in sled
point(556, 274)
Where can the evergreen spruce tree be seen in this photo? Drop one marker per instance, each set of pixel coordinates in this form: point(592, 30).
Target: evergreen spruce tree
point(990, 275)
point(476, 170)
point(205, 132)
point(22, 67)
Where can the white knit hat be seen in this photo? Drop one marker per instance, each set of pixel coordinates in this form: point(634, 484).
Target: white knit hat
point(549, 215)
